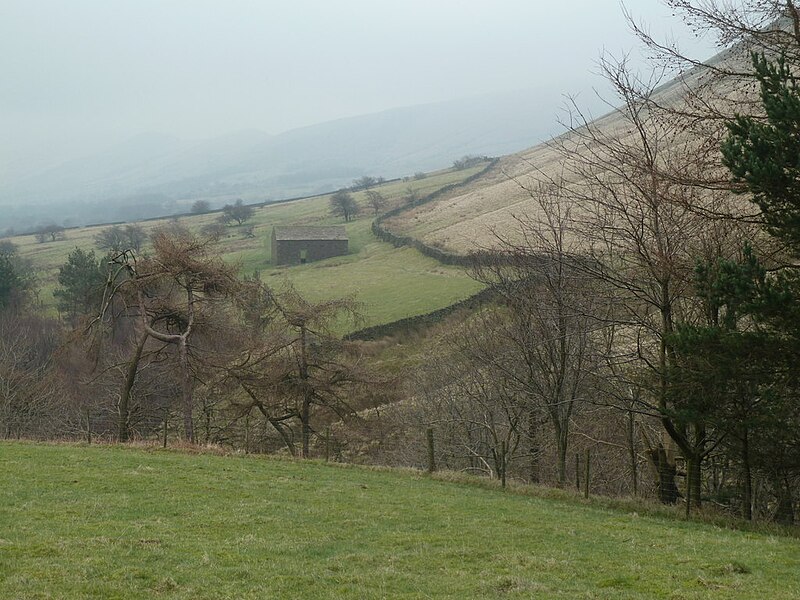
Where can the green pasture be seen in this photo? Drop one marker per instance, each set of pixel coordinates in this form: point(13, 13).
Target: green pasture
point(118, 522)
point(389, 283)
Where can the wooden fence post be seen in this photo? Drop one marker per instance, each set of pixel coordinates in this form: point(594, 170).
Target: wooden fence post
point(586, 475)
point(503, 451)
point(431, 455)
point(327, 444)
point(166, 423)
point(688, 487)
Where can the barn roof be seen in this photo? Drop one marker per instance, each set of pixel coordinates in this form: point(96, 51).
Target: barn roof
point(333, 232)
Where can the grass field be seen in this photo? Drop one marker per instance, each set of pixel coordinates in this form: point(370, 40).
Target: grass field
point(112, 522)
point(390, 283)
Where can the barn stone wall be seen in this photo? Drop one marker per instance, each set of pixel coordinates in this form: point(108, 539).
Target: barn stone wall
point(288, 252)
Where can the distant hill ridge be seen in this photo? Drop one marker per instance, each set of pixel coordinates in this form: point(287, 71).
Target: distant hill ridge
point(300, 162)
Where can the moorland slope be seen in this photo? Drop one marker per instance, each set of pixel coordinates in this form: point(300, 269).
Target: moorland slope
point(468, 218)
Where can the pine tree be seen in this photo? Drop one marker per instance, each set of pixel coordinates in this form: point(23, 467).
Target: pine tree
point(722, 367)
point(16, 277)
point(9, 280)
point(763, 155)
point(81, 280)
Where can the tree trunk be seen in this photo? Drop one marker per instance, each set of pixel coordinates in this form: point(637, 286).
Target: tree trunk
point(127, 387)
point(207, 432)
point(166, 426)
point(305, 412)
point(689, 469)
point(784, 514)
point(747, 479)
point(632, 452)
point(534, 447)
point(186, 385)
point(694, 478)
point(562, 457)
point(665, 470)
point(285, 436)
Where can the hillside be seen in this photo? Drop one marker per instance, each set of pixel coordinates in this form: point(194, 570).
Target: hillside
point(372, 272)
point(255, 166)
point(117, 522)
point(467, 218)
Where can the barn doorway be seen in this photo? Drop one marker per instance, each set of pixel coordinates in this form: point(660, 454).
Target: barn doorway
point(303, 257)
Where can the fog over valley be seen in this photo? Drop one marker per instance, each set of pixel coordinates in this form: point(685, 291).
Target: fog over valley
point(114, 112)
point(171, 172)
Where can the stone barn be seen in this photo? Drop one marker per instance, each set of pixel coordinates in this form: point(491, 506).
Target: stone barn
point(294, 245)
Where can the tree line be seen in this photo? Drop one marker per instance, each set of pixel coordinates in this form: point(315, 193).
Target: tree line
point(649, 298)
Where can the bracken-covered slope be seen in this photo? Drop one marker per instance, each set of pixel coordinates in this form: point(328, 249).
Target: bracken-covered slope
point(470, 218)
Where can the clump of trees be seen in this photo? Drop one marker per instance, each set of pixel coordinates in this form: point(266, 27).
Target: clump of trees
point(467, 161)
point(680, 308)
point(238, 213)
point(200, 206)
point(174, 332)
point(118, 238)
point(50, 233)
point(343, 204)
point(375, 200)
point(81, 282)
point(366, 182)
point(169, 293)
point(689, 324)
point(32, 403)
point(16, 276)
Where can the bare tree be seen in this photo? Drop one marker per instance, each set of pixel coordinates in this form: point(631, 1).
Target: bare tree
point(770, 27)
point(364, 183)
point(30, 402)
point(640, 216)
point(344, 205)
point(376, 200)
point(238, 211)
point(472, 400)
point(706, 94)
point(411, 196)
point(322, 370)
point(117, 238)
point(201, 206)
point(172, 293)
point(548, 315)
point(214, 230)
point(50, 233)
point(296, 368)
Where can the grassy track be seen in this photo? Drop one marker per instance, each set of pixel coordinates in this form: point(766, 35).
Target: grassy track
point(105, 522)
point(390, 283)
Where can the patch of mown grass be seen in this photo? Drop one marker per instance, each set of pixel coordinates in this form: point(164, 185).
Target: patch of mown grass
point(390, 283)
point(114, 522)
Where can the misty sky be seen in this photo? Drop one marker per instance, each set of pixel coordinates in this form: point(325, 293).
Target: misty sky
point(78, 74)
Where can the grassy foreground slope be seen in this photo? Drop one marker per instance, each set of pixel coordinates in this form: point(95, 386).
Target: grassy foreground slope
point(111, 522)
